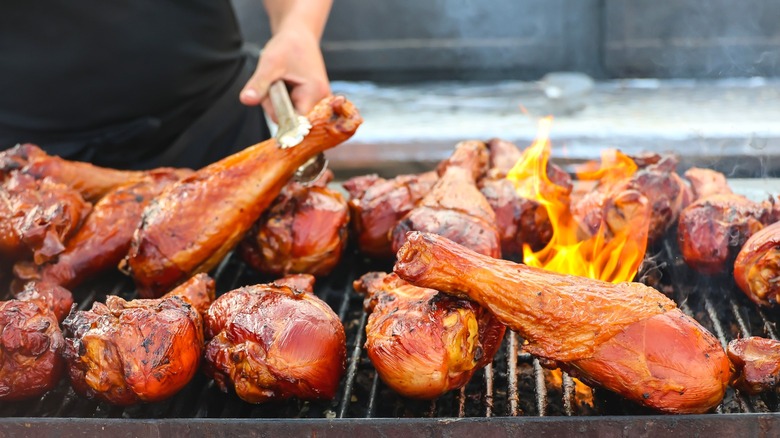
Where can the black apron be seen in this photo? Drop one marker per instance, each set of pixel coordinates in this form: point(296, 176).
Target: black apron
point(226, 127)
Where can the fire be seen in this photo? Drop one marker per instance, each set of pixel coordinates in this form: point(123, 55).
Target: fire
point(612, 253)
point(583, 394)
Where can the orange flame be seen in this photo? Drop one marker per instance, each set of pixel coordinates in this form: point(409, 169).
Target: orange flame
point(609, 255)
point(583, 394)
point(614, 167)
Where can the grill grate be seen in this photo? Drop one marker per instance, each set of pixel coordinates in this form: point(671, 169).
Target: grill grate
point(514, 385)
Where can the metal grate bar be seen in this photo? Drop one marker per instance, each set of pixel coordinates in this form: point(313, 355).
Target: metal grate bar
point(568, 394)
point(715, 322)
point(352, 369)
point(719, 332)
point(462, 402)
point(202, 398)
point(221, 266)
point(372, 396)
point(514, 398)
point(769, 327)
point(541, 388)
point(743, 329)
point(489, 390)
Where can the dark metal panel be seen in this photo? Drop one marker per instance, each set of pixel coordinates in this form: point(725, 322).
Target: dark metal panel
point(692, 38)
point(746, 425)
point(412, 40)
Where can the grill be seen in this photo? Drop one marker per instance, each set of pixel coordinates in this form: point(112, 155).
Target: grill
point(514, 393)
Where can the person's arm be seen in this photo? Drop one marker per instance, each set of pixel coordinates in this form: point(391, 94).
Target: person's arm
point(292, 54)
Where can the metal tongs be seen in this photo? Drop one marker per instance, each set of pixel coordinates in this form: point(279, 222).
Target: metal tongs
point(292, 128)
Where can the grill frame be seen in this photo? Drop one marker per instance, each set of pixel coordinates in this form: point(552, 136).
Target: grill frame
point(361, 404)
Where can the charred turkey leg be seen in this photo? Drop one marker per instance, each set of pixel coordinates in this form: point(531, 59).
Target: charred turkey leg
point(455, 208)
point(304, 231)
point(421, 342)
point(31, 342)
point(756, 364)
point(711, 231)
point(192, 225)
point(37, 217)
point(757, 267)
point(625, 337)
point(127, 352)
point(104, 239)
point(377, 204)
point(275, 341)
point(93, 182)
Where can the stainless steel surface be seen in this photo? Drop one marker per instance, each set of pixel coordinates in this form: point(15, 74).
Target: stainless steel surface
point(291, 126)
point(291, 130)
point(312, 169)
point(727, 125)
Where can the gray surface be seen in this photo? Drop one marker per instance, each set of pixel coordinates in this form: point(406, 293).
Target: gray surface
point(413, 40)
point(728, 125)
point(524, 39)
point(747, 425)
point(692, 38)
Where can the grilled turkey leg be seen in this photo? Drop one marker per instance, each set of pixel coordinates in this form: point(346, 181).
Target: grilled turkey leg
point(127, 352)
point(626, 337)
point(421, 342)
point(275, 341)
point(31, 342)
point(757, 267)
point(196, 222)
point(455, 207)
point(93, 182)
point(104, 239)
point(756, 364)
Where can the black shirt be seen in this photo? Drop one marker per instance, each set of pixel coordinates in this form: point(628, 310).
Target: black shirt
point(95, 71)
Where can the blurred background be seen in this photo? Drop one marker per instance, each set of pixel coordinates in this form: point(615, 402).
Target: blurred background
point(695, 77)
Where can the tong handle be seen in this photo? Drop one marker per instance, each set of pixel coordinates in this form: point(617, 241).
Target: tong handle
point(280, 99)
point(291, 127)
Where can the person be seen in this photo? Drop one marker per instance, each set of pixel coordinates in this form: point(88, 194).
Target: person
point(146, 83)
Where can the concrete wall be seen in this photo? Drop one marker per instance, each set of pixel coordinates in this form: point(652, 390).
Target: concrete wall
point(411, 40)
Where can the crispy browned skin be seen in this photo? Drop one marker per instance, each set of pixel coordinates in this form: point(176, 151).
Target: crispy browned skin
point(198, 292)
point(756, 364)
point(706, 182)
point(627, 337)
point(667, 195)
point(303, 231)
point(377, 204)
point(272, 342)
point(454, 207)
point(127, 352)
point(712, 230)
point(31, 342)
point(519, 220)
point(297, 282)
point(48, 296)
point(757, 267)
point(193, 224)
point(37, 217)
point(503, 157)
point(93, 182)
point(104, 239)
point(423, 343)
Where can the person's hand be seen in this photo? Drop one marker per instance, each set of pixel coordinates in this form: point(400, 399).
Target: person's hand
point(295, 57)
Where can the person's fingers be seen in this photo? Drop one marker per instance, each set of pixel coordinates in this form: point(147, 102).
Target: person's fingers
point(269, 109)
point(269, 68)
point(306, 95)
